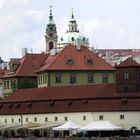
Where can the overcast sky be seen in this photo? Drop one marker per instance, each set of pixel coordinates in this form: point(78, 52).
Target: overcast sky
point(107, 23)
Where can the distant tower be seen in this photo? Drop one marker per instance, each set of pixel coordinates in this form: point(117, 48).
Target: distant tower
point(51, 34)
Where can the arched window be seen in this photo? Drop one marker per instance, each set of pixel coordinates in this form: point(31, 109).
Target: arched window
point(50, 45)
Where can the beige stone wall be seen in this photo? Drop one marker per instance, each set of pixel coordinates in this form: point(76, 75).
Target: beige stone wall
point(130, 118)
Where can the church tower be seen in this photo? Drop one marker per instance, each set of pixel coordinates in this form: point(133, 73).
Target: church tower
point(51, 34)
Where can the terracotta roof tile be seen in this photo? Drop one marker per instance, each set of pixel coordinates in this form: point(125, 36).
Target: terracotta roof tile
point(66, 93)
point(58, 62)
point(129, 62)
point(28, 65)
point(70, 99)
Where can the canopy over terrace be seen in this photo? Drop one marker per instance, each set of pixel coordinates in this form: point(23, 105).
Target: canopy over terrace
point(101, 126)
point(47, 125)
point(28, 125)
point(67, 126)
point(10, 126)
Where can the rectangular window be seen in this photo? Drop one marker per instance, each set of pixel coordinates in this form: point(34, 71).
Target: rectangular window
point(58, 77)
point(84, 118)
point(26, 119)
point(7, 84)
point(12, 120)
point(105, 78)
point(90, 78)
point(72, 78)
point(35, 119)
point(101, 117)
point(5, 120)
point(4, 84)
point(121, 117)
point(46, 119)
point(65, 118)
point(126, 75)
point(139, 75)
point(56, 118)
point(19, 120)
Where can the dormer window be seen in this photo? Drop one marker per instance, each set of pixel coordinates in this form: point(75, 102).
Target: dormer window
point(69, 60)
point(11, 105)
point(88, 60)
point(30, 104)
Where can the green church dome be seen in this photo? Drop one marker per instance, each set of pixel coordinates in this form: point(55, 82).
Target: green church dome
point(72, 35)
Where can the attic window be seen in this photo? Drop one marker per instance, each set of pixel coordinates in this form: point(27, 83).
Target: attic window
point(51, 104)
point(19, 105)
point(11, 105)
point(88, 60)
point(70, 103)
point(69, 60)
point(85, 102)
point(30, 104)
point(124, 101)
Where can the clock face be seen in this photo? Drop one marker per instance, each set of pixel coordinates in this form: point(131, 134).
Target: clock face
point(51, 34)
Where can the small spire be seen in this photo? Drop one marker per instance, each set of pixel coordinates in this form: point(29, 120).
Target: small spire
point(72, 16)
point(51, 16)
point(50, 10)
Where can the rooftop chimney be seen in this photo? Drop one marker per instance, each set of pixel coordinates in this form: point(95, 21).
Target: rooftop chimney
point(24, 51)
point(78, 45)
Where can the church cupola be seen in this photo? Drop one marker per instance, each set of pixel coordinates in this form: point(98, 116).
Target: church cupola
point(51, 34)
point(72, 24)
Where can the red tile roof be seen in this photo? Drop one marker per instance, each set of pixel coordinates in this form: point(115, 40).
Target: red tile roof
point(129, 62)
point(98, 97)
point(2, 72)
point(58, 62)
point(28, 65)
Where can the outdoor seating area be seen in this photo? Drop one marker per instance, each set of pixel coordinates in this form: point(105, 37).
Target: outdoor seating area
point(68, 129)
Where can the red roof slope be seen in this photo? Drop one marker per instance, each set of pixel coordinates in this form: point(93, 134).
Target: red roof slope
point(129, 62)
point(58, 62)
point(66, 93)
point(28, 65)
point(100, 97)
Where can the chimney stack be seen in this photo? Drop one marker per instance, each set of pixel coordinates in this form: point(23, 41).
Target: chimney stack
point(24, 51)
point(78, 45)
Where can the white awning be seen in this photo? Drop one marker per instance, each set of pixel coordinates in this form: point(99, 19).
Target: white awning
point(47, 125)
point(68, 126)
point(101, 126)
point(28, 125)
point(10, 126)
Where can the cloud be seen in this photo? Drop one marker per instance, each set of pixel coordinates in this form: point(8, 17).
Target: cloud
point(20, 26)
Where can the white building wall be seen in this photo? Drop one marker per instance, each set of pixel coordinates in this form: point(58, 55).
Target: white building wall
point(130, 118)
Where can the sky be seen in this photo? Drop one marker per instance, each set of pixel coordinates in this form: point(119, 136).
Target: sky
point(109, 24)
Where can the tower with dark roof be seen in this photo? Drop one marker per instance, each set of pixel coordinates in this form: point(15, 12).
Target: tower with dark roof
point(51, 34)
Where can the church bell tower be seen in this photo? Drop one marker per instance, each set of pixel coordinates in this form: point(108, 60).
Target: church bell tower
point(51, 34)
